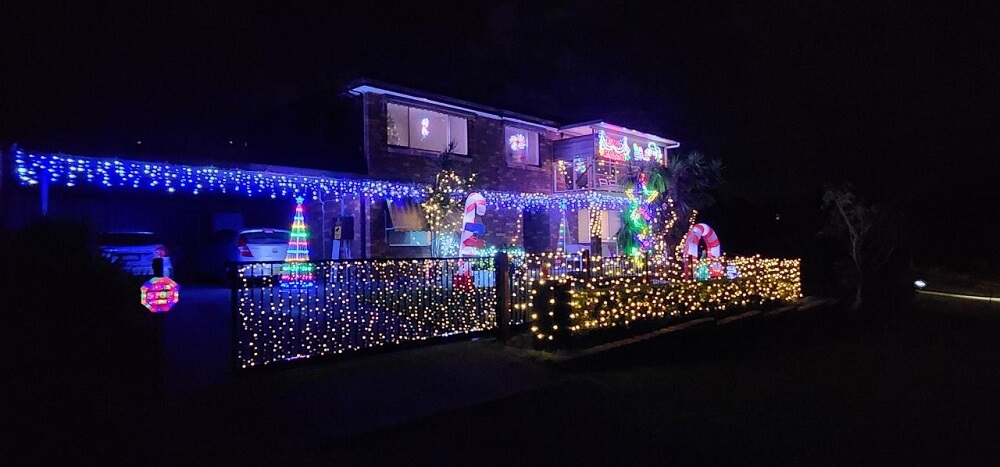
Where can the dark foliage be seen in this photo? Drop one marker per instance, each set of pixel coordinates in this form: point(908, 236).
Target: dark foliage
point(875, 257)
point(77, 344)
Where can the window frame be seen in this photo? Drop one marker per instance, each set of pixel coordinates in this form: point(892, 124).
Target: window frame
point(507, 152)
point(409, 148)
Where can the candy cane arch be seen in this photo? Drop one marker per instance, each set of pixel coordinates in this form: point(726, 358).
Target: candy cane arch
point(698, 233)
point(470, 242)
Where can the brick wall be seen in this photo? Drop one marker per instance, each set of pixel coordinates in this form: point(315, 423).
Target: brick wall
point(486, 158)
point(321, 217)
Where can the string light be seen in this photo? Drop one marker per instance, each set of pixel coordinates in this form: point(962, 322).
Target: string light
point(358, 304)
point(629, 291)
point(72, 171)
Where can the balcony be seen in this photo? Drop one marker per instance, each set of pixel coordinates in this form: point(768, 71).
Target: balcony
point(598, 156)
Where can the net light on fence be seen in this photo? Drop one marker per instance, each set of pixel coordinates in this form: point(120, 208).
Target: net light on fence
point(604, 302)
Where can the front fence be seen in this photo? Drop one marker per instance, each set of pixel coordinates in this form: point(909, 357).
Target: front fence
point(630, 291)
point(353, 305)
point(356, 304)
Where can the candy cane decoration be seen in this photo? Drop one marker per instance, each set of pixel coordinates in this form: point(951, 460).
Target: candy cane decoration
point(470, 242)
point(702, 232)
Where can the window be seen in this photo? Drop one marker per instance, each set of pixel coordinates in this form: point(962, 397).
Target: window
point(425, 129)
point(611, 222)
point(520, 146)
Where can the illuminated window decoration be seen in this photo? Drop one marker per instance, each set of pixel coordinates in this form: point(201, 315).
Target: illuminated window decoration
point(297, 272)
point(425, 130)
point(518, 144)
point(651, 153)
point(159, 294)
point(71, 171)
point(471, 242)
point(613, 149)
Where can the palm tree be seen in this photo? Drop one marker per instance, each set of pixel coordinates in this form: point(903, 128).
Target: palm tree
point(682, 186)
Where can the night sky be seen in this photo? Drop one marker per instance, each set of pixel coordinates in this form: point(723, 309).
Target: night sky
point(789, 95)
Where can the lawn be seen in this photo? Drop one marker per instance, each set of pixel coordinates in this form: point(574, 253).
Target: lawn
point(808, 388)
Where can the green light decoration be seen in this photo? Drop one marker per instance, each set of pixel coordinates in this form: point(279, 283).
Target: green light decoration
point(636, 234)
point(297, 272)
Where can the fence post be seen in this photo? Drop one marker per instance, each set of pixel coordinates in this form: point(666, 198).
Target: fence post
point(501, 281)
point(586, 265)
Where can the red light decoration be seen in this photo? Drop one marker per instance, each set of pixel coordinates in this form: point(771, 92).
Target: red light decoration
point(613, 149)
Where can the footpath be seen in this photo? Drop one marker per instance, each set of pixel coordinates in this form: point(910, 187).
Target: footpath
point(261, 416)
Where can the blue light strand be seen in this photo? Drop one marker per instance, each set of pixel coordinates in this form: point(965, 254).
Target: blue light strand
point(72, 170)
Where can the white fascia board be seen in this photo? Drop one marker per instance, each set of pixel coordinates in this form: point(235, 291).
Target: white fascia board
point(376, 90)
point(578, 128)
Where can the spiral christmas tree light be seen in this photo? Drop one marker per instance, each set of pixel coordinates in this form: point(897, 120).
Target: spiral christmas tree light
point(297, 272)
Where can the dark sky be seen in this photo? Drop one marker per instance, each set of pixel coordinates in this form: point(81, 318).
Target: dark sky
point(788, 94)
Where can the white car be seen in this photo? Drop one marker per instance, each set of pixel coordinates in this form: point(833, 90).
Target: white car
point(262, 245)
point(135, 252)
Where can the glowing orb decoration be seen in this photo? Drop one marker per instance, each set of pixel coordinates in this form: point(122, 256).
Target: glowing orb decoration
point(159, 294)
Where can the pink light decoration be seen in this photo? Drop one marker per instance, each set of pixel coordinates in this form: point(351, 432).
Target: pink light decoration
point(159, 294)
point(612, 149)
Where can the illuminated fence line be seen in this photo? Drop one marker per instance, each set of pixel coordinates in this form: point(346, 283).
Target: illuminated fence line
point(355, 305)
point(362, 304)
point(568, 305)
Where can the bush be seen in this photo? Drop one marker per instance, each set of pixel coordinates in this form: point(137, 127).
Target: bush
point(74, 334)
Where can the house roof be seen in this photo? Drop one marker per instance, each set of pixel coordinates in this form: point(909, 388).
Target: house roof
point(586, 128)
point(363, 86)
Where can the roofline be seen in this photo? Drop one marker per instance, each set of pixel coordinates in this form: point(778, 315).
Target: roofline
point(669, 143)
point(375, 87)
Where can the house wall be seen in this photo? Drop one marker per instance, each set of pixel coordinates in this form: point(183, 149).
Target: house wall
point(324, 215)
point(487, 159)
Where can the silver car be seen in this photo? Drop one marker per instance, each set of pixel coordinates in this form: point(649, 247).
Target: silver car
point(261, 245)
point(135, 252)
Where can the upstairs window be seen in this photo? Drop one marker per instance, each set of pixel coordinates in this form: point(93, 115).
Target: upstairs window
point(418, 128)
point(520, 146)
